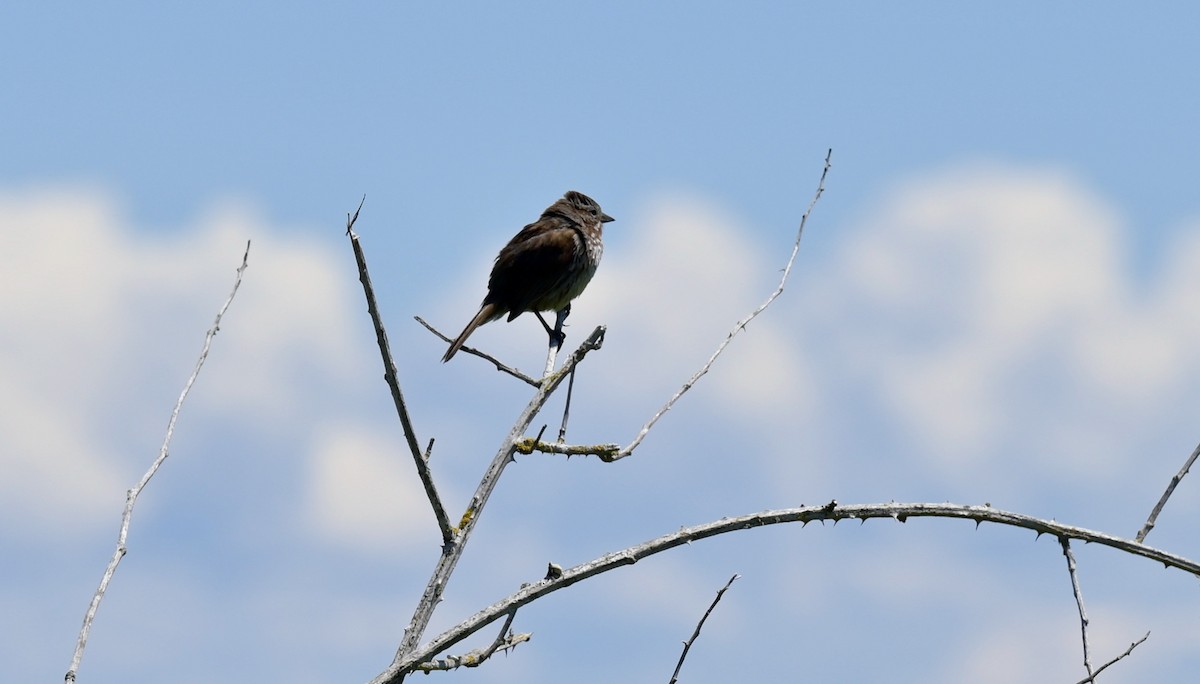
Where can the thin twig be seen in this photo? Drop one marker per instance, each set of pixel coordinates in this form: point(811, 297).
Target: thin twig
point(1105, 666)
point(405, 661)
point(505, 641)
point(562, 428)
point(1141, 536)
point(740, 326)
point(687, 645)
point(1083, 618)
point(132, 495)
point(486, 357)
point(393, 382)
point(833, 512)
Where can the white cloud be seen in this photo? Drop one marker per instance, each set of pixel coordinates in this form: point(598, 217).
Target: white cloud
point(100, 327)
point(673, 287)
point(983, 308)
point(966, 276)
point(60, 263)
point(993, 308)
point(363, 492)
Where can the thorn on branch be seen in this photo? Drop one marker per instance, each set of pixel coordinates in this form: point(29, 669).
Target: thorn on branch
point(803, 515)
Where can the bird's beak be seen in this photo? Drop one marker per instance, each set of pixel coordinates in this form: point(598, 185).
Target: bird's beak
point(605, 218)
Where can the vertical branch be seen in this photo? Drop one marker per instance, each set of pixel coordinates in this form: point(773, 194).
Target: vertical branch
point(1083, 618)
point(131, 496)
point(389, 374)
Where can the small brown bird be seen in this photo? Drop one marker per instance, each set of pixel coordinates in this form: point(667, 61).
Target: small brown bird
point(544, 266)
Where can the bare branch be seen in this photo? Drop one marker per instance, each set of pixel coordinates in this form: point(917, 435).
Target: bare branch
point(486, 357)
point(132, 495)
point(739, 327)
point(505, 641)
point(606, 452)
point(389, 374)
point(1075, 588)
point(900, 512)
point(1105, 666)
point(687, 645)
point(407, 655)
point(1141, 536)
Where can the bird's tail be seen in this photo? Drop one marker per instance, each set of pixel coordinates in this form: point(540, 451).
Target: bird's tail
point(487, 312)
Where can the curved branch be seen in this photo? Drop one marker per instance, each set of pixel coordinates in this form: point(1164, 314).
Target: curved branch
point(804, 515)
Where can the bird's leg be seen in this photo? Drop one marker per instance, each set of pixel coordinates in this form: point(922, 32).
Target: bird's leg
point(549, 330)
point(557, 337)
point(560, 320)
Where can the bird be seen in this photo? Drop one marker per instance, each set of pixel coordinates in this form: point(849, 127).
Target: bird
point(544, 266)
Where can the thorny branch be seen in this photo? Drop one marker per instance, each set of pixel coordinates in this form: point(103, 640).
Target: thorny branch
point(132, 495)
point(832, 512)
point(505, 641)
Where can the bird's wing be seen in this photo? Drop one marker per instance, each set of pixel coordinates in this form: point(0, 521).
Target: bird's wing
point(531, 267)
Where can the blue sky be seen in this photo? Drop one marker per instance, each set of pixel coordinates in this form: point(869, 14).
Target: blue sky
point(995, 301)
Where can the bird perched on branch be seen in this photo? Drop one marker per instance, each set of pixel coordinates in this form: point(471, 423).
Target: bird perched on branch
point(544, 266)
